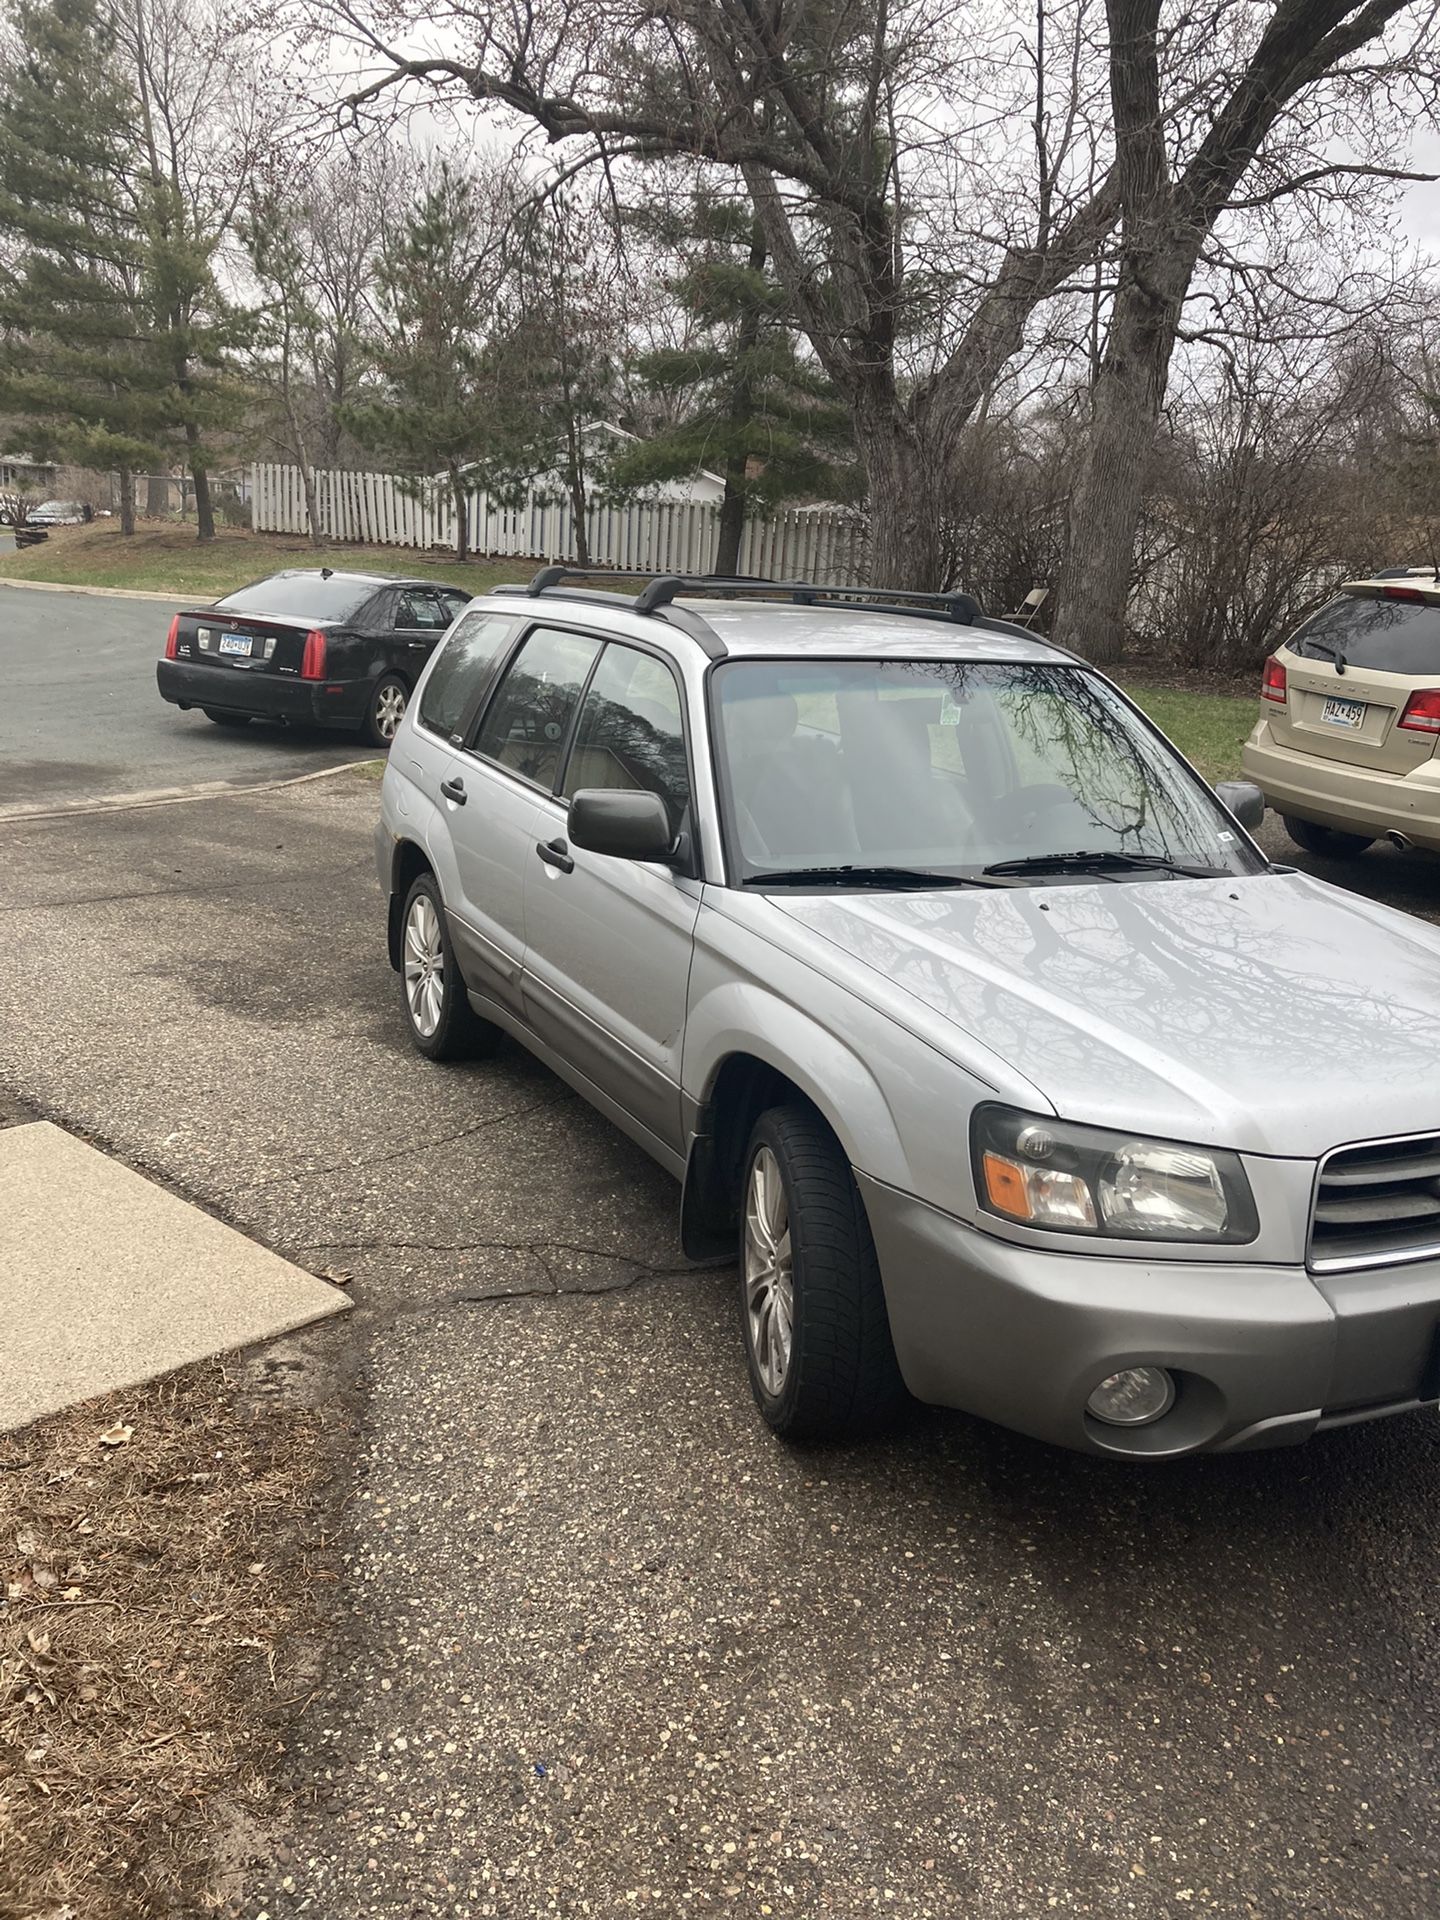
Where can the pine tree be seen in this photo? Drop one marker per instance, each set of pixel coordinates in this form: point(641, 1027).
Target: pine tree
point(748, 404)
point(446, 406)
point(76, 365)
point(117, 341)
point(185, 209)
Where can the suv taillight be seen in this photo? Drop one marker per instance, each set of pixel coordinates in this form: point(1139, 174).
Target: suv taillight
point(172, 640)
point(1422, 711)
point(312, 661)
point(1272, 687)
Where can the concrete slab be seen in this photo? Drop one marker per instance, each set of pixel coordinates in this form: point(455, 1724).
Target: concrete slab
point(107, 1279)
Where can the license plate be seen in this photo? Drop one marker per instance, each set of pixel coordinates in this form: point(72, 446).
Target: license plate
point(1335, 713)
point(235, 643)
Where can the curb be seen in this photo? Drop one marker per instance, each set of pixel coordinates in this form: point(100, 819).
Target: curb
point(95, 593)
point(138, 803)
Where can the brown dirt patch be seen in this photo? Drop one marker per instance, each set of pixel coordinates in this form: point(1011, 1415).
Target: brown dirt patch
point(164, 1572)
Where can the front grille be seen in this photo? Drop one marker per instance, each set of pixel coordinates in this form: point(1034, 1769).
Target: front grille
point(1377, 1206)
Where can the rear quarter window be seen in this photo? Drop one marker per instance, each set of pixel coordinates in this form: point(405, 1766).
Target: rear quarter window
point(1390, 635)
point(462, 670)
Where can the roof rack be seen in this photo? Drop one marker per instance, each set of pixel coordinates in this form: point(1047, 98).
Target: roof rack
point(963, 608)
point(555, 582)
point(660, 591)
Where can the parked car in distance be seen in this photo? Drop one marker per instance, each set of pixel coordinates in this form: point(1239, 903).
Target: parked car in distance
point(973, 1021)
point(60, 513)
point(311, 647)
point(1344, 748)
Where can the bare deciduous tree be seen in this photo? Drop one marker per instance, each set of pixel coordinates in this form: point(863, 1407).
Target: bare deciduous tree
point(1203, 105)
point(865, 136)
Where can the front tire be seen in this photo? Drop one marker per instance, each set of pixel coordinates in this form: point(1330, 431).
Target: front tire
point(385, 710)
point(1328, 842)
point(443, 1024)
point(812, 1305)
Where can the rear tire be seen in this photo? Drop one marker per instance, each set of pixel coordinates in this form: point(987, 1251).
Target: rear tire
point(1328, 842)
point(227, 719)
point(384, 710)
point(442, 1022)
point(812, 1306)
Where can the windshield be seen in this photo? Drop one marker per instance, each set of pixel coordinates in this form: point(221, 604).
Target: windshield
point(307, 594)
point(950, 767)
point(1380, 631)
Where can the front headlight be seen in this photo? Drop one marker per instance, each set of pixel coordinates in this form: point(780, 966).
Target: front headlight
point(1071, 1179)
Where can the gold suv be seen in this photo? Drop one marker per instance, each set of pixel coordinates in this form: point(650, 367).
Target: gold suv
point(1344, 749)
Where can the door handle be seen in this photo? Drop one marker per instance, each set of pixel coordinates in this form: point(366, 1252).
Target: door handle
point(555, 853)
point(454, 789)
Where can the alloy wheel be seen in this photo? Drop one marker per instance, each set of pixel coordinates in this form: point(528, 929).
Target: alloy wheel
point(389, 711)
point(424, 960)
point(769, 1272)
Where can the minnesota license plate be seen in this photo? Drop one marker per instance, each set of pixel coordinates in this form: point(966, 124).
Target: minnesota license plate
point(1335, 713)
point(235, 643)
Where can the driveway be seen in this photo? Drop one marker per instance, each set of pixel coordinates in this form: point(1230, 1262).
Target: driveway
point(81, 720)
point(602, 1646)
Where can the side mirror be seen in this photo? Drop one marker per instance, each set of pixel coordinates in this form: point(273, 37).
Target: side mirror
point(621, 822)
point(1244, 800)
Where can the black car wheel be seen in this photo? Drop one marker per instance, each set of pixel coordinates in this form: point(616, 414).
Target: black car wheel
point(388, 699)
point(1328, 842)
point(227, 719)
point(443, 1024)
point(812, 1305)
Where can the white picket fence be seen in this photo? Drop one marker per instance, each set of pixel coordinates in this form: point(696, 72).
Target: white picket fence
point(663, 536)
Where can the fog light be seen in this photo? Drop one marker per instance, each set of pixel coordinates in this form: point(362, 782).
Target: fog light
point(1133, 1398)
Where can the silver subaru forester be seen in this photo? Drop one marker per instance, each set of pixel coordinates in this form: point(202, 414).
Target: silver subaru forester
point(971, 1019)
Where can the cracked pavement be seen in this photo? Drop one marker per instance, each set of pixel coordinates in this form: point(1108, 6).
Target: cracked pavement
point(603, 1647)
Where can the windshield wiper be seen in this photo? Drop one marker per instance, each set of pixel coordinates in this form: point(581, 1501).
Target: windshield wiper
point(895, 879)
point(1334, 649)
point(1106, 860)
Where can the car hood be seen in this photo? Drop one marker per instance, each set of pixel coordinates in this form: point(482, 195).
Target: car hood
point(1272, 1013)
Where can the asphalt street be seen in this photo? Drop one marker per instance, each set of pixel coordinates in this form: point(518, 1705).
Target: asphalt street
point(602, 1646)
point(81, 719)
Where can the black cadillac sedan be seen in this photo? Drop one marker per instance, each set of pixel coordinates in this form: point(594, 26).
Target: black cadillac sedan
point(309, 647)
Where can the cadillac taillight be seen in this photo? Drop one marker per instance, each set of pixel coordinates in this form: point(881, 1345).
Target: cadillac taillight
point(312, 661)
point(172, 640)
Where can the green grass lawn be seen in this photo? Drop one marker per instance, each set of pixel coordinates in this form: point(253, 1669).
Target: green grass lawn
point(169, 559)
point(1208, 728)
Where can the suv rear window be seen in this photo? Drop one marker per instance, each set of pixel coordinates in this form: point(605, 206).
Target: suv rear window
point(1391, 635)
point(303, 593)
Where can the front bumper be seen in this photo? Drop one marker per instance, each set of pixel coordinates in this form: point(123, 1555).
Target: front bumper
point(1350, 799)
point(1261, 1356)
point(264, 696)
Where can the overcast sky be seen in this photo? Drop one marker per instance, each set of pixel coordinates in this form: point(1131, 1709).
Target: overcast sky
point(1421, 207)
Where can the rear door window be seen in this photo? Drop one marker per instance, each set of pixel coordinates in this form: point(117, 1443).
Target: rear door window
point(529, 715)
point(1391, 635)
point(631, 732)
point(417, 610)
point(462, 670)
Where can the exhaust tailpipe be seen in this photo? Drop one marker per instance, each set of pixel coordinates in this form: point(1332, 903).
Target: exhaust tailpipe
point(1401, 842)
